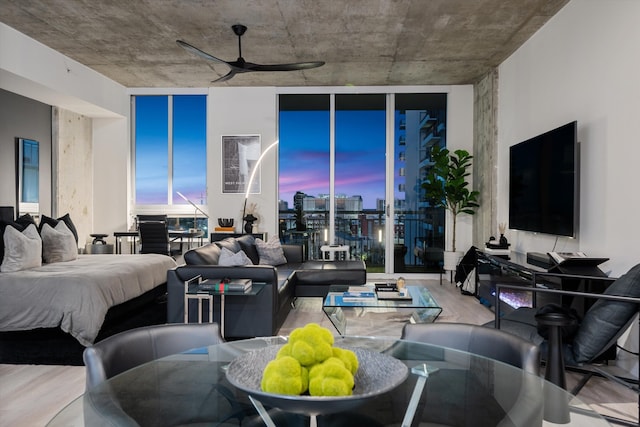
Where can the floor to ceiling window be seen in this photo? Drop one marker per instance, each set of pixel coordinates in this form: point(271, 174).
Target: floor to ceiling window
point(360, 177)
point(170, 157)
point(420, 123)
point(335, 176)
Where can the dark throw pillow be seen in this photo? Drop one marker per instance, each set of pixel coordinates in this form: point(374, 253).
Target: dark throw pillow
point(53, 222)
point(603, 321)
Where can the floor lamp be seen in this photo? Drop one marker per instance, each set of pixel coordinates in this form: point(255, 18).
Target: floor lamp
point(195, 213)
point(249, 219)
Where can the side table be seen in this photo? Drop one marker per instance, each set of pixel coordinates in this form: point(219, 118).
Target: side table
point(192, 291)
point(333, 250)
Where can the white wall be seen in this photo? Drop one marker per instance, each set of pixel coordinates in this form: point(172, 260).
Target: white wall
point(33, 70)
point(242, 111)
point(582, 65)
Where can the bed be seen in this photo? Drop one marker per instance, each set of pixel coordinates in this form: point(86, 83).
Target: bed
point(75, 296)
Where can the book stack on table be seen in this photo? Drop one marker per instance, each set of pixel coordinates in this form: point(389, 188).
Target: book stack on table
point(225, 285)
point(389, 291)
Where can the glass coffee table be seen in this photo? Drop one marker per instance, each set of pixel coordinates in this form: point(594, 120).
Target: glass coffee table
point(341, 309)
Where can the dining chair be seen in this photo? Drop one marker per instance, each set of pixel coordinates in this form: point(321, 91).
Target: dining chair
point(476, 339)
point(128, 349)
point(457, 390)
point(154, 239)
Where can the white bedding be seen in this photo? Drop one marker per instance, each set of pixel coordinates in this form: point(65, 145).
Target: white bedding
point(75, 295)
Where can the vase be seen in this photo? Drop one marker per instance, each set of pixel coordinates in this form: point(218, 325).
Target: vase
point(503, 241)
point(248, 225)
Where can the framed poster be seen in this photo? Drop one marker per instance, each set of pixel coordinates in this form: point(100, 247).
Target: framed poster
point(240, 154)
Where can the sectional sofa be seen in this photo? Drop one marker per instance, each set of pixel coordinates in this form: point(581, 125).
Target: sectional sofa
point(262, 314)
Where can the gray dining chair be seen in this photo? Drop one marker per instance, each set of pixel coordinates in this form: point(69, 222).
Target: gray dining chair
point(480, 340)
point(131, 348)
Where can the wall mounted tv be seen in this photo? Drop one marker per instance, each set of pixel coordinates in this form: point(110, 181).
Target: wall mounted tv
point(543, 183)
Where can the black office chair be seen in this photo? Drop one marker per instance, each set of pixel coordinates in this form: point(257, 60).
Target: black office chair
point(154, 239)
point(152, 218)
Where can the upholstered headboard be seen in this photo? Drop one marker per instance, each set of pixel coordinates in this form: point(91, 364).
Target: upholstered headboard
point(7, 213)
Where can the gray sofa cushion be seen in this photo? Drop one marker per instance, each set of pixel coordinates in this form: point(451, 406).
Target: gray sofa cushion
point(230, 243)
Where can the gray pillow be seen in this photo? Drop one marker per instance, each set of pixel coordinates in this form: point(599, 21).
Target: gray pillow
point(228, 258)
point(603, 321)
point(58, 244)
point(22, 250)
point(270, 252)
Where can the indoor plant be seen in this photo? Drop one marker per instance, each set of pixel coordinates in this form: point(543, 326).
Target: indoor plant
point(446, 186)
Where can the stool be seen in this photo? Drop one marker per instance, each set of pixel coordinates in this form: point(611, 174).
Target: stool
point(555, 355)
point(98, 238)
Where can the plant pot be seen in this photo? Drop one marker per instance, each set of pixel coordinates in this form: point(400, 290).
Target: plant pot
point(451, 259)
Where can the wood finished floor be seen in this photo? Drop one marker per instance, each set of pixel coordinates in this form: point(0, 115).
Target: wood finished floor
point(30, 395)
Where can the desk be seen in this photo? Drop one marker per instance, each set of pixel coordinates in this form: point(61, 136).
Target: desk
point(192, 388)
point(173, 234)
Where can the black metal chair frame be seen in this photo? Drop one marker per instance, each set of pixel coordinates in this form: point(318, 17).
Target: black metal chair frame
point(588, 369)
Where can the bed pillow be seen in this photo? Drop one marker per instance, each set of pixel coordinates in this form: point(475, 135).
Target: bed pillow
point(3, 225)
point(22, 249)
point(58, 244)
point(53, 222)
point(228, 258)
point(270, 252)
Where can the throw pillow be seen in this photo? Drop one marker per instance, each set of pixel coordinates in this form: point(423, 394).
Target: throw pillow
point(270, 252)
point(58, 244)
point(228, 258)
point(604, 320)
point(22, 250)
point(248, 244)
point(53, 222)
point(3, 225)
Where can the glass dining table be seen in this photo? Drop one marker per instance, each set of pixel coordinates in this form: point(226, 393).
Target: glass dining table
point(424, 385)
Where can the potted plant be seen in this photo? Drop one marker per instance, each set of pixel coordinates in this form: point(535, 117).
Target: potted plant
point(446, 186)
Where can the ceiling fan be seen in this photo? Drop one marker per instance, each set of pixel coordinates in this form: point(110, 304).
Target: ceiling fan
point(240, 65)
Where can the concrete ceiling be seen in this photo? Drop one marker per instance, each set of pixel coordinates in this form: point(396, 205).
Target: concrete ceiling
point(363, 42)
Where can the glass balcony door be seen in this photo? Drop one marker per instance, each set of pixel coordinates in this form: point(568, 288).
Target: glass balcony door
point(351, 166)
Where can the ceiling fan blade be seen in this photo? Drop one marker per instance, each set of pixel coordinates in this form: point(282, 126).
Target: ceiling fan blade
point(240, 66)
point(224, 78)
point(286, 67)
point(199, 52)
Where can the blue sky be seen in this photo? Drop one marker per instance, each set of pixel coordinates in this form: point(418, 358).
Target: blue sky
point(360, 154)
point(303, 151)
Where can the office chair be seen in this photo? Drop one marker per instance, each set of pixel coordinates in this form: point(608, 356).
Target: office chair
point(154, 239)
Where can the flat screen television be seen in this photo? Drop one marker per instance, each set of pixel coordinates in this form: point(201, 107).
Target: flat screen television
point(543, 183)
